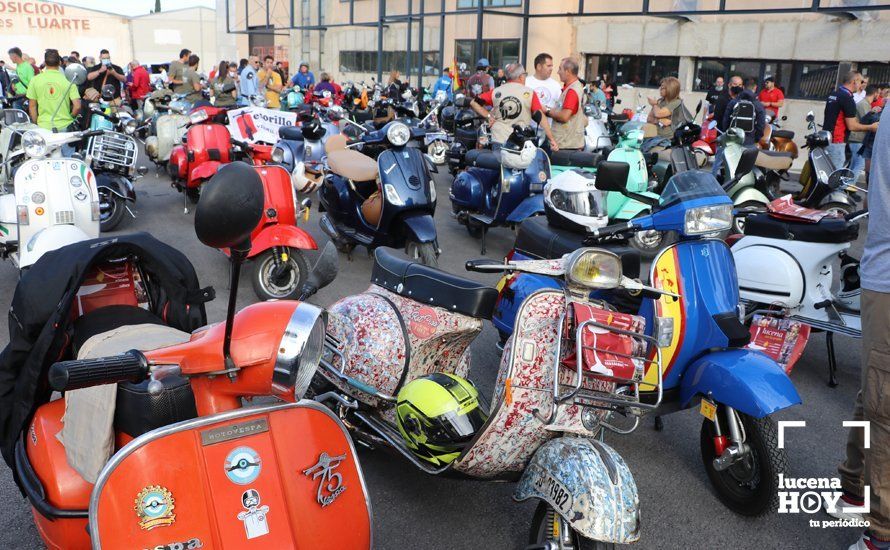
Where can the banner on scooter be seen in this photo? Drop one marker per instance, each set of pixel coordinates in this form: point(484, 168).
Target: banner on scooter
point(782, 339)
point(255, 124)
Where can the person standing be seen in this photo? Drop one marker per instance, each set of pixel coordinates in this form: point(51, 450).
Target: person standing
point(714, 92)
point(736, 87)
point(854, 141)
point(270, 83)
point(74, 56)
point(249, 80)
point(25, 72)
point(104, 73)
point(192, 80)
point(176, 70)
point(50, 106)
point(597, 95)
point(771, 97)
point(304, 77)
point(480, 82)
point(667, 110)
point(547, 89)
point(224, 88)
point(500, 78)
point(748, 94)
point(871, 466)
point(860, 93)
point(839, 118)
point(569, 120)
point(139, 86)
point(512, 103)
point(5, 82)
point(443, 84)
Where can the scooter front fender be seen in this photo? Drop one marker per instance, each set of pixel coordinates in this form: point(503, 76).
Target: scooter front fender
point(589, 484)
point(746, 380)
point(281, 235)
point(52, 238)
point(204, 171)
point(420, 227)
point(532, 205)
point(750, 194)
point(116, 185)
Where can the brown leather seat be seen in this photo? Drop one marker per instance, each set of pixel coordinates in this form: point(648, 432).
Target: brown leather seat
point(373, 208)
point(774, 160)
point(336, 142)
point(352, 165)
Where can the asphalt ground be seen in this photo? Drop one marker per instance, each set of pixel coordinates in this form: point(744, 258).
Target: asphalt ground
point(414, 510)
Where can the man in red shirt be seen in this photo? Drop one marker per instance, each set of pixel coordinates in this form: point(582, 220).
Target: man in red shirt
point(771, 97)
point(139, 86)
point(569, 120)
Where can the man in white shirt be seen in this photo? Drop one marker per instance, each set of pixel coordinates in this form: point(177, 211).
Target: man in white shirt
point(860, 94)
point(547, 89)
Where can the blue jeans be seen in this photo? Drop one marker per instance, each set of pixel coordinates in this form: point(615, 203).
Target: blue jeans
point(837, 152)
point(857, 161)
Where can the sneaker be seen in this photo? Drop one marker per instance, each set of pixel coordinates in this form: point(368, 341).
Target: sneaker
point(840, 510)
point(869, 542)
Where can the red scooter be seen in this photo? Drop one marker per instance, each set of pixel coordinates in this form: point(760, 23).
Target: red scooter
point(207, 146)
point(706, 145)
point(280, 268)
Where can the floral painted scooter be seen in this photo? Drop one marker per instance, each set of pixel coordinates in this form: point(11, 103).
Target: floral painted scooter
point(571, 363)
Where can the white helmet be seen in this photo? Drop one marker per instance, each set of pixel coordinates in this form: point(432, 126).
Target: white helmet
point(518, 158)
point(572, 201)
point(304, 181)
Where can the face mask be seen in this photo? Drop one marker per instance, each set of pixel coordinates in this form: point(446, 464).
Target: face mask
point(106, 62)
point(736, 90)
point(232, 74)
point(719, 88)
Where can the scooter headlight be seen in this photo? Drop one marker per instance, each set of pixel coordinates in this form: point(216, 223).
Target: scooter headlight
point(299, 352)
point(593, 268)
point(34, 144)
point(708, 219)
point(278, 155)
point(198, 117)
point(398, 134)
point(392, 196)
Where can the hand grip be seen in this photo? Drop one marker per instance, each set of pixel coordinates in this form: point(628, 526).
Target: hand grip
point(479, 265)
point(92, 133)
point(83, 373)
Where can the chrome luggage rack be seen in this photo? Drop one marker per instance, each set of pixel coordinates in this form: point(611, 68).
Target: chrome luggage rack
point(113, 151)
point(332, 346)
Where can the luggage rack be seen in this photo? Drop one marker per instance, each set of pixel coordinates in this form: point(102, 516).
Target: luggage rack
point(332, 345)
point(114, 151)
point(626, 399)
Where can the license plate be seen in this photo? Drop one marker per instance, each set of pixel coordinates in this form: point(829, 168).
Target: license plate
point(557, 493)
point(708, 409)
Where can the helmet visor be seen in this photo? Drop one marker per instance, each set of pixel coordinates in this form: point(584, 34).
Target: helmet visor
point(589, 203)
point(453, 427)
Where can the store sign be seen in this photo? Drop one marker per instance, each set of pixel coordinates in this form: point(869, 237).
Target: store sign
point(255, 124)
point(39, 16)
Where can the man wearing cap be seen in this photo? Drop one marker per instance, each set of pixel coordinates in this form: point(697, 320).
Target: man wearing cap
point(512, 103)
point(771, 97)
point(481, 82)
point(304, 77)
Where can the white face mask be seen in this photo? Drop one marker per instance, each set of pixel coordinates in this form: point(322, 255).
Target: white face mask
point(232, 74)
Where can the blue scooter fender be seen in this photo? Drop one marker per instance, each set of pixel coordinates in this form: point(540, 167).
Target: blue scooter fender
point(588, 484)
point(292, 150)
point(421, 226)
point(116, 185)
point(746, 380)
point(469, 189)
point(530, 206)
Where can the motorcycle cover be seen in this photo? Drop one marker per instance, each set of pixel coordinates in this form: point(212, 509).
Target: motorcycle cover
point(40, 320)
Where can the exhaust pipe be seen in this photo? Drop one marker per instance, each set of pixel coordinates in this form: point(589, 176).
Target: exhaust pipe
point(327, 227)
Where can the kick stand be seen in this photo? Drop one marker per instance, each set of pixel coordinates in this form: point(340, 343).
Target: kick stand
point(659, 424)
point(832, 360)
point(484, 231)
point(185, 202)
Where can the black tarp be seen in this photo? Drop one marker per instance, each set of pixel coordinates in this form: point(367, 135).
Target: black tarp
point(40, 318)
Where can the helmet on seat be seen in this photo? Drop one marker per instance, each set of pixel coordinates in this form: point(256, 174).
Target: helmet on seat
point(519, 151)
point(572, 202)
point(438, 415)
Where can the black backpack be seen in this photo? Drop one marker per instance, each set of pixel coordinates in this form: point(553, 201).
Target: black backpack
point(743, 116)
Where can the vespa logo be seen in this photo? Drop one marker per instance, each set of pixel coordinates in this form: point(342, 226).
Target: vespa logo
point(810, 495)
point(330, 483)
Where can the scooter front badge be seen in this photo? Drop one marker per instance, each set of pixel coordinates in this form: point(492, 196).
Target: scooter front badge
point(154, 507)
point(254, 516)
point(243, 465)
point(330, 483)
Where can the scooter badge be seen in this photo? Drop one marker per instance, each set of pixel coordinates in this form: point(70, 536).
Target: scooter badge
point(254, 519)
point(154, 507)
point(330, 486)
point(243, 465)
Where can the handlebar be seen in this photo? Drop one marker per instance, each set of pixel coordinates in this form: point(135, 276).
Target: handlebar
point(91, 133)
point(484, 265)
point(609, 231)
point(82, 373)
point(853, 215)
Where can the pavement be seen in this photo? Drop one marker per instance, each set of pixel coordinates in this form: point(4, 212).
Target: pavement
point(414, 510)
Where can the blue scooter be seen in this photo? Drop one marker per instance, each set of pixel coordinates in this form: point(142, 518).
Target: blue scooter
point(700, 337)
point(389, 201)
point(493, 192)
point(301, 151)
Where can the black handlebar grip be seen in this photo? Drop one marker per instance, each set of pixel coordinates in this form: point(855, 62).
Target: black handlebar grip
point(83, 373)
point(471, 265)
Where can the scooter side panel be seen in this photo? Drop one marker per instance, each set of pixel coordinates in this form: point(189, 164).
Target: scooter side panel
point(470, 189)
point(532, 205)
point(746, 380)
point(589, 484)
point(279, 193)
point(280, 476)
point(204, 171)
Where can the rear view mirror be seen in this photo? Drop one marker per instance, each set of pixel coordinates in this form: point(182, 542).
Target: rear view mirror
point(811, 117)
point(612, 176)
point(746, 162)
point(840, 178)
point(76, 73)
point(230, 207)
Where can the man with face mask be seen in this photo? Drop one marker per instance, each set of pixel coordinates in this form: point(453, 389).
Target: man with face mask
point(104, 73)
point(714, 92)
point(736, 87)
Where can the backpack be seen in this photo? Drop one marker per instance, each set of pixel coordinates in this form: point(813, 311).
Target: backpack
point(743, 116)
point(680, 116)
point(478, 84)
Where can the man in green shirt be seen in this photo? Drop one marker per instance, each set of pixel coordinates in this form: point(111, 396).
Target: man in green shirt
point(192, 80)
point(47, 95)
point(25, 72)
point(176, 71)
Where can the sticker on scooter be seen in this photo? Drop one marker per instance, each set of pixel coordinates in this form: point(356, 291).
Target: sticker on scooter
point(330, 486)
point(190, 544)
point(423, 322)
point(243, 465)
point(57, 166)
point(254, 519)
point(154, 507)
point(80, 196)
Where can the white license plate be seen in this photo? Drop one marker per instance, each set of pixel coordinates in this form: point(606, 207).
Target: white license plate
point(557, 493)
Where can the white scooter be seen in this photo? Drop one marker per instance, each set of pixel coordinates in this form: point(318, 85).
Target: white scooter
point(596, 134)
point(801, 269)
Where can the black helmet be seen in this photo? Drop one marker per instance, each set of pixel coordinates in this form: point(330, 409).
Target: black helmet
point(108, 92)
point(312, 129)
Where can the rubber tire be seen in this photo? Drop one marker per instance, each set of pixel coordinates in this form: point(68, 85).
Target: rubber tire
point(838, 206)
point(295, 256)
point(425, 252)
point(580, 543)
point(736, 228)
point(114, 220)
point(763, 438)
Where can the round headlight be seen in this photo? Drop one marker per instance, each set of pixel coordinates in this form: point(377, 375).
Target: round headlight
point(593, 268)
point(34, 144)
point(278, 154)
point(398, 134)
point(299, 352)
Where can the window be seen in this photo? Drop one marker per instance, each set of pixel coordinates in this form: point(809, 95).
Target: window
point(357, 61)
point(877, 73)
point(467, 4)
point(639, 70)
point(798, 79)
point(814, 80)
point(498, 52)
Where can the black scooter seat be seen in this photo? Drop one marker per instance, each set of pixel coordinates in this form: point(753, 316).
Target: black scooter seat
point(827, 230)
point(290, 133)
point(483, 158)
point(783, 134)
point(397, 273)
point(539, 240)
point(579, 159)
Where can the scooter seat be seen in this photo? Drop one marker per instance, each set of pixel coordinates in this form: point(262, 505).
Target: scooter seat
point(578, 159)
point(827, 230)
point(352, 165)
point(540, 240)
point(336, 142)
point(397, 273)
point(783, 134)
point(773, 160)
point(291, 133)
point(483, 158)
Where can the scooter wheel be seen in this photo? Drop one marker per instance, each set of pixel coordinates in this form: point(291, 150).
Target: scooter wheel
point(542, 533)
point(283, 286)
point(424, 252)
point(111, 211)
